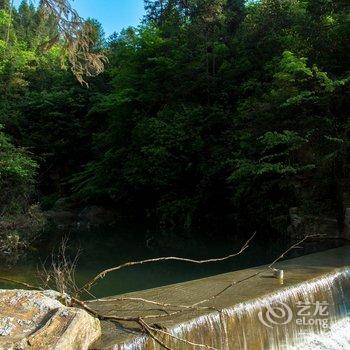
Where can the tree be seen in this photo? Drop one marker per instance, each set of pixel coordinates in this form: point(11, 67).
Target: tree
point(210, 113)
point(296, 135)
point(17, 174)
point(4, 4)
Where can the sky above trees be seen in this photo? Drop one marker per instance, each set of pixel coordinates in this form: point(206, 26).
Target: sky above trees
point(114, 15)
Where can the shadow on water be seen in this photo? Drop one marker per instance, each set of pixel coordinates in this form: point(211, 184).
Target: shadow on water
point(106, 247)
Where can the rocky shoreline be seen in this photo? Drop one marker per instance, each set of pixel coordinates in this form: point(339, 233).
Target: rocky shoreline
point(39, 320)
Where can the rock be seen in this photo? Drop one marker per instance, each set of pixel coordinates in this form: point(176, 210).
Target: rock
point(37, 320)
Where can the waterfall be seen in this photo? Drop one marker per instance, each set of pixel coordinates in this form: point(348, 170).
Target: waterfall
point(309, 315)
point(337, 338)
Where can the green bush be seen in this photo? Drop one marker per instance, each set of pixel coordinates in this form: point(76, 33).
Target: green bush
point(17, 174)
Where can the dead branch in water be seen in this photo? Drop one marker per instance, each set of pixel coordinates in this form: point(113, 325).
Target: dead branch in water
point(102, 274)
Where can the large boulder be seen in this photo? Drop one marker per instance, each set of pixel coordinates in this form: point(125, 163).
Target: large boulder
point(38, 320)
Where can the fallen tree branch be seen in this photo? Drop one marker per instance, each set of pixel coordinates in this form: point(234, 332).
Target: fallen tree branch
point(187, 342)
point(102, 274)
point(24, 284)
point(232, 284)
point(295, 246)
point(149, 331)
point(256, 274)
point(152, 302)
point(140, 321)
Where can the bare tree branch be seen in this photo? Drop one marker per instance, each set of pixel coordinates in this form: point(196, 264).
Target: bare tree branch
point(280, 257)
point(102, 274)
point(23, 284)
point(61, 273)
point(187, 342)
point(149, 331)
point(152, 302)
point(295, 246)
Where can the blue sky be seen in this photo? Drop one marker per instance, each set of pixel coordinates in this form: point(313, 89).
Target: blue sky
point(113, 14)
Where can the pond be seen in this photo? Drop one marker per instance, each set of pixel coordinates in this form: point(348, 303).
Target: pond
point(106, 247)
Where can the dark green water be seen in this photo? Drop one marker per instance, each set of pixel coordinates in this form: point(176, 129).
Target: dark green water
point(107, 247)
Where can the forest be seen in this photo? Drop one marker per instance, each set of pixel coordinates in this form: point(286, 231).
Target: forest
point(211, 114)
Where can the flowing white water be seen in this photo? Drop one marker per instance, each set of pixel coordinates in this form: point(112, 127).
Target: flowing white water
point(337, 338)
point(276, 321)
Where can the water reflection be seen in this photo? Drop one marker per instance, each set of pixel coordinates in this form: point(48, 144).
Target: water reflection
point(110, 246)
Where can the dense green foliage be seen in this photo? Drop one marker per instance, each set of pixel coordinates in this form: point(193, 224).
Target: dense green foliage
point(17, 171)
point(211, 113)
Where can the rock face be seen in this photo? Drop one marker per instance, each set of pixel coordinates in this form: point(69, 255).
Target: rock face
point(301, 225)
point(37, 320)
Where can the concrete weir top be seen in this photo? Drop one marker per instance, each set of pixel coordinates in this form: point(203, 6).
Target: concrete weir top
point(311, 277)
